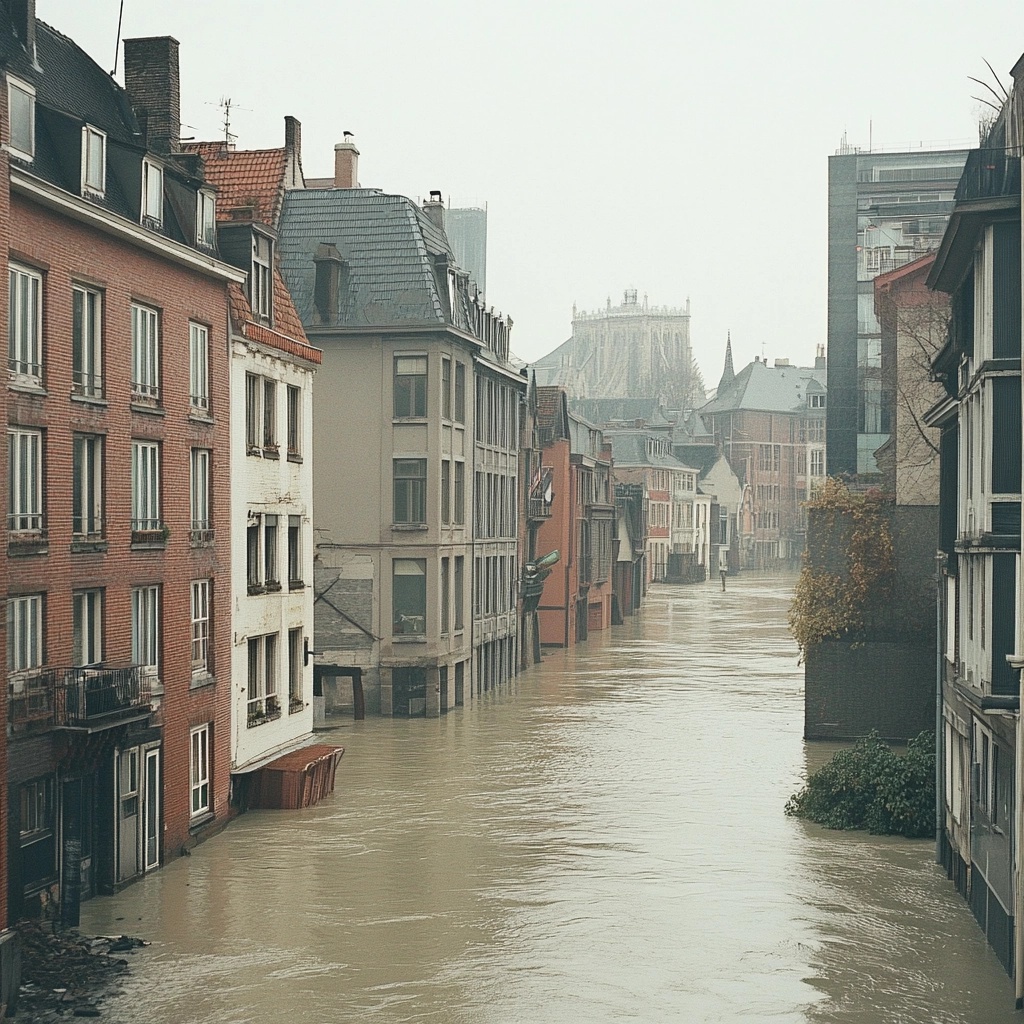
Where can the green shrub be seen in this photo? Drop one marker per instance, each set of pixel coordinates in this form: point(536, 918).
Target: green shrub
point(872, 787)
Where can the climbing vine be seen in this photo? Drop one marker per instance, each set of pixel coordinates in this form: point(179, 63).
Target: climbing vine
point(848, 572)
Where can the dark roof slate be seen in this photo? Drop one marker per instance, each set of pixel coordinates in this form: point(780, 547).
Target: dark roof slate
point(765, 388)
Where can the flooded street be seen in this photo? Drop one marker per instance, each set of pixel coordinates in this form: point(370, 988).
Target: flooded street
point(603, 842)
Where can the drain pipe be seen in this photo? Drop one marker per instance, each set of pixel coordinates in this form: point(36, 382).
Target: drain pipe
point(940, 732)
point(1016, 662)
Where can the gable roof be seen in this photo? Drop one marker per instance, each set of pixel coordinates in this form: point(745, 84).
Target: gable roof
point(244, 179)
point(765, 388)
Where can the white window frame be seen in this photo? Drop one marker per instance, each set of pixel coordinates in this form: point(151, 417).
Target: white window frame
point(25, 476)
point(296, 665)
point(293, 415)
point(262, 701)
point(86, 341)
point(146, 628)
point(199, 490)
point(145, 486)
point(817, 463)
point(87, 477)
point(253, 413)
point(87, 627)
point(152, 193)
point(15, 85)
point(269, 403)
point(199, 769)
point(94, 166)
point(296, 576)
point(199, 367)
point(145, 354)
point(200, 623)
point(271, 552)
point(24, 632)
point(25, 325)
point(261, 283)
point(206, 219)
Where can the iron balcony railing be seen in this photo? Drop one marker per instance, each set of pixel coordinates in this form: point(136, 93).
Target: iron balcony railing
point(77, 697)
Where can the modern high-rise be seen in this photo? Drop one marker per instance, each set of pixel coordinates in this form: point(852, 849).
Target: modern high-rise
point(466, 227)
point(884, 210)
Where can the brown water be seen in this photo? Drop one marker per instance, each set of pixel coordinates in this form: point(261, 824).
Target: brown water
point(604, 842)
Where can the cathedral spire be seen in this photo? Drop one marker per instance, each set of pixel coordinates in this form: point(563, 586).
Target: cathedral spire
point(728, 374)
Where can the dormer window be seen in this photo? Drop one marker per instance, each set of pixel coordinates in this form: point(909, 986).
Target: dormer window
point(152, 193)
point(206, 217)
point(816, 401)
point(260, 280)
point(21, 112)
point(94, 160)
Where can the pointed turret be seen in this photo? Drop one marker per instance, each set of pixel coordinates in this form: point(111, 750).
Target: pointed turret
point(728, 374)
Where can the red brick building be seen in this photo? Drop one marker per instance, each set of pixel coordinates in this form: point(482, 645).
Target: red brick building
point(116, 556)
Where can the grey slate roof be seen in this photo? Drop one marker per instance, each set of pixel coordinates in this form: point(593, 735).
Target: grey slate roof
point(765, 388)
point(388, 246)
point(629, 448)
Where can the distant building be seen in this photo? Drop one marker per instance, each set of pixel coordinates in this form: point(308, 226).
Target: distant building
point(884, 210)
point(770, 424)
point(632, 350)
point(466, 228)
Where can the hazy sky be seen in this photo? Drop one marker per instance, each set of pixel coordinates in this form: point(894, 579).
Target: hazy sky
point(676, 148)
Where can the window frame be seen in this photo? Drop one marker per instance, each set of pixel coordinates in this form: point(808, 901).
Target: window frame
point(410, 377)
point(25, 329)
point(261, 282)
point(459, 411)
point(146, 488)
point(199, 769)
point(89, 187)
point(410, 620)
point(409, 504)
point(199, 367)
point(152, 171)
point(262, 698)
point(17, 85)
point(293, 420)
point(87, 617)
point(86, 341)
point(200, 480)
point(200, 618)
point(296, 577)
point(271, 552)
point(87, 476)
point(206, 218)
point(296, 665)
point(145, 383)
point(146, 631)
point(25, 513)
point(253, 413)
point(25, 642)
point(269, 417)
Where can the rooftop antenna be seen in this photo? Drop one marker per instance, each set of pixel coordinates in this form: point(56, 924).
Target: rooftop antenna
point(117, 41)
point(225, 103)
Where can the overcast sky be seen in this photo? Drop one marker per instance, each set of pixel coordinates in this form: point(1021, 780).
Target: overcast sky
point(676, 148)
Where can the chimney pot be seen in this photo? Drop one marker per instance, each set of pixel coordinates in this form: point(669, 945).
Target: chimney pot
point(346, 163)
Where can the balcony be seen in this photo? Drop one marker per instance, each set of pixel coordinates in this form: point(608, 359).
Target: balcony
point(989, 174)
point(541, 495)
point(94, 698)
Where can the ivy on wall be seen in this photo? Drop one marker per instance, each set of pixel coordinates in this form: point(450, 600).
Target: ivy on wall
point(849, 570)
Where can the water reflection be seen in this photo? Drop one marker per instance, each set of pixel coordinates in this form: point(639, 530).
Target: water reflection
point(605, 842)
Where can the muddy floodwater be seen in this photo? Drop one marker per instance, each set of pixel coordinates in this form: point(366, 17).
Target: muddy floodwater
point(604, 841)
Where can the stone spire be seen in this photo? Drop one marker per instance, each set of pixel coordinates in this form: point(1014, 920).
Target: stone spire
point(728, 374)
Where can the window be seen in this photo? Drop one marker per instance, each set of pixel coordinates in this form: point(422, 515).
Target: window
point(253, 426)
point(94, 160)
point(21, 113)
point(87, 478)
point(817, 462)
point(25, 481)
point(409, 596)
point(206, 219)
point(253, 564)
point(262, 703)
point(87, 627)
point(460, 392)
point(295, 574)
point(145, 355)
point(460, 585)
point(296, 661)
point(816, 401)
point(410, 484)
point(460, 493)
point(24, 632)
point(86, 342)
point(200, 494)
point(200, 614)
point(270, 553)
point(260, 281)
point(199, 758)
point(410, 386)
point(146, 627)
point(199, 367)
point(446, 595)
point(24, 326)
point(269, 414)
point(294, 412)
point(145, 486)
point(446, 388)
point(152, 193)
point(446, 492)
point(37, 807)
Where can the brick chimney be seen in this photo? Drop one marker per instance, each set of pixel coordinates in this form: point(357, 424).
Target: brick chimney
point(152, 81)
point(293, 151)
point(23, 17)
point(346, 163)
point(434, 209)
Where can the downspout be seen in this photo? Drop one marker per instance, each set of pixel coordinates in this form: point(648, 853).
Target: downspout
point(940, 752)
point(1016, 662)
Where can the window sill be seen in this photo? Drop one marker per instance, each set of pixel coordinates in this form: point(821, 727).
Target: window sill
point(410, 419)
point(295, 705)
point(201, 819)
point(296, 585)
point(255, 588)
point(95, 400)
point(200, 680)
point(405, 527)
point(199, 415)
point(37, 544)
point(255, 450)
point(88, 545)
point(271, 452)
point(151, 408)
point(294, 457)
point(148, 540)
point(273, 587)
point(200, 538)
point(406, 638)
point(27, 386)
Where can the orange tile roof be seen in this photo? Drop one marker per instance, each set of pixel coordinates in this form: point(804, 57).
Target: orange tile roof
point(286, 335)
point(244, 178)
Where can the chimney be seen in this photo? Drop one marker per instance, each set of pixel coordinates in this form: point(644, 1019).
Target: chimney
point(346, 163)
point(820, 363)
point(152, 81)
point(293, 151)
point(23, 17)
point(434, 209)
point(781, 363)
